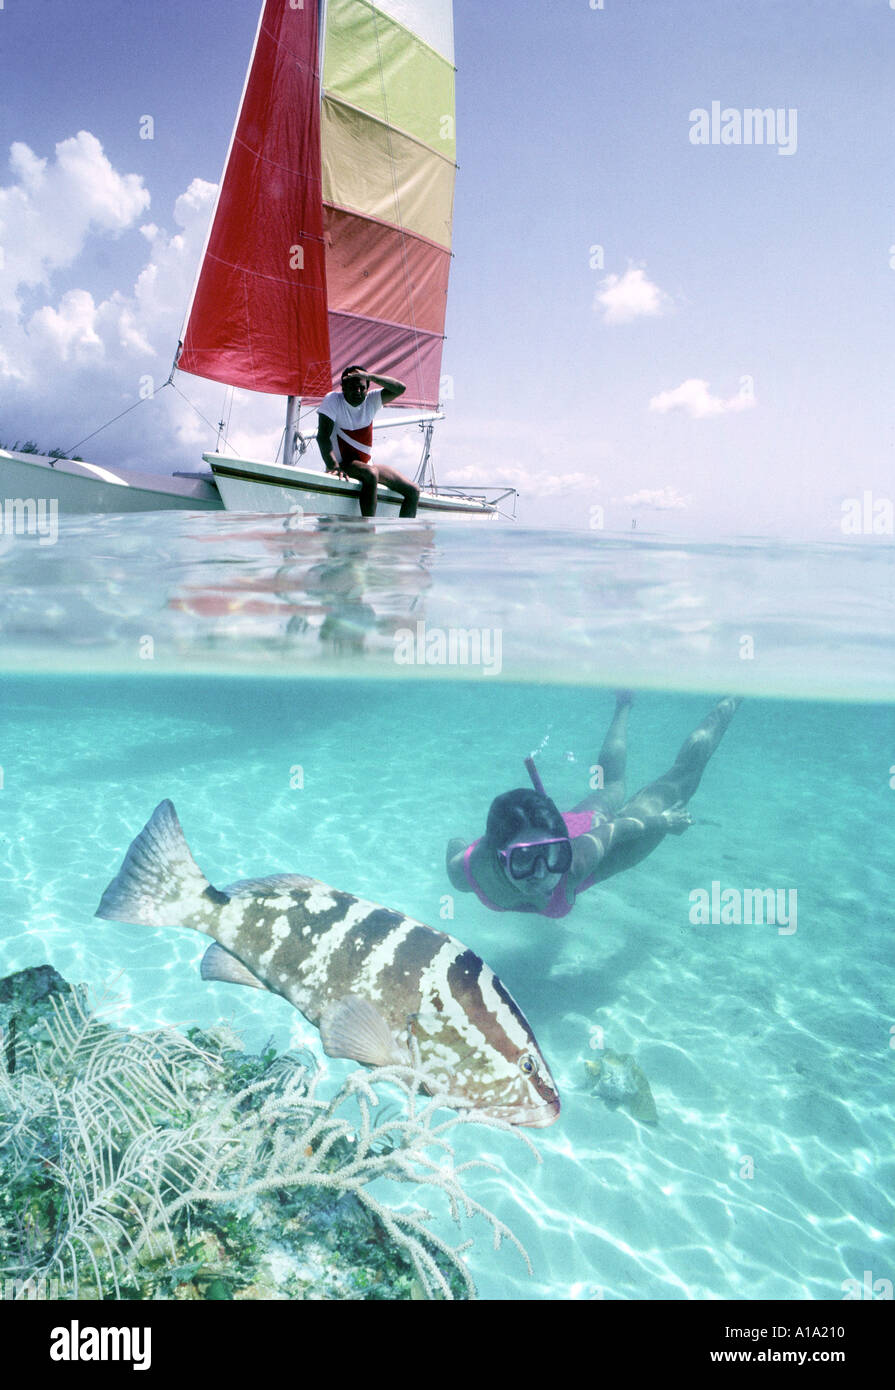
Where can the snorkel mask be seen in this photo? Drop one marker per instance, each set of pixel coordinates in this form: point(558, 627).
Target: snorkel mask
point(520, 859)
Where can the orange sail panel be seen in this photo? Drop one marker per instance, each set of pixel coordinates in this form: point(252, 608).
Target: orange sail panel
point(388, 186)
point(259, 313)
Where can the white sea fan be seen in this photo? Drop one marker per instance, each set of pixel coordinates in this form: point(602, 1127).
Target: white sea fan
point(137, 1129)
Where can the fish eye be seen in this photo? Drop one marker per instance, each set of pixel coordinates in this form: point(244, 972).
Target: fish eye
point(527, 1064)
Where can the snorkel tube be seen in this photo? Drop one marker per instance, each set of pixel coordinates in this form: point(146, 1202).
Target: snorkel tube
point(535, 776)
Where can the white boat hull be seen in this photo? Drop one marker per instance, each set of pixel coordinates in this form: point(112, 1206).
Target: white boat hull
point(87, 488)
point(249, 486)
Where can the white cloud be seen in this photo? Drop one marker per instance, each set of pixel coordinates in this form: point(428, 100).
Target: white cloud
point(100, 356)
point(665, 499)
point(47, 213)
point(70, 330)
point(163, 288)
point(694, 397)
point(529, 483)
point(629, 296)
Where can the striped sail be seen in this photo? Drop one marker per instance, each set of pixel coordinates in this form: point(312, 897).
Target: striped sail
point(388, 147)
point(258, 318)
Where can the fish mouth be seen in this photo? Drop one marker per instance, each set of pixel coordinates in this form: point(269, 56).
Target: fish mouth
point(529, 1117)
point(543, 1116)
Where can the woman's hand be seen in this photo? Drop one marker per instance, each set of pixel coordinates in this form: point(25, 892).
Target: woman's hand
point(454, 864)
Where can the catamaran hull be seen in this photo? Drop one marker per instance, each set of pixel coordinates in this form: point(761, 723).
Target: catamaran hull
point(84, 488)
point(248, 486)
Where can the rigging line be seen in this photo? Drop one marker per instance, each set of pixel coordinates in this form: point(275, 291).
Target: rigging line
point(223, 426)
point(113, 421)
point(406, 268)
point(212, 427)
point(231, 396)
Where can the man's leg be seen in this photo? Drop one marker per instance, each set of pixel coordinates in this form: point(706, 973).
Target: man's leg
point(398, 483)
point(368, 477)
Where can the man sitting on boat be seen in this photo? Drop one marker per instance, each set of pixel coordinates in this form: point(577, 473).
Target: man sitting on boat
point(345, 437)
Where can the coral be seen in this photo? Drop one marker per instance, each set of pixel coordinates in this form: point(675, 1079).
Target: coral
point(153, 1164)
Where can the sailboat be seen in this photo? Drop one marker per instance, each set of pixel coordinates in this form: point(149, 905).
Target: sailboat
point(329, 246)
point(73, 486)
point(330, 243)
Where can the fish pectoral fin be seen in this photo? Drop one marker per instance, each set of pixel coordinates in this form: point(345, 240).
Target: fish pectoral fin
point(353, 1027)
point(219, 964)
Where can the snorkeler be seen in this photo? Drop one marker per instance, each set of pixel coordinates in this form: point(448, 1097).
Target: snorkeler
point(532, 858)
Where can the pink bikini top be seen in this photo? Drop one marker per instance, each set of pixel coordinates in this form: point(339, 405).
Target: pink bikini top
point(577, 823)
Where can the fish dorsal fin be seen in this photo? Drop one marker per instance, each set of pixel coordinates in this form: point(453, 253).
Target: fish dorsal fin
point(353, 1027)
point(273, 884)
point(218, 964)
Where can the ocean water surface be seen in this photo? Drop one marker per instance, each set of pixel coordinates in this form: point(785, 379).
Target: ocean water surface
point(296, 694)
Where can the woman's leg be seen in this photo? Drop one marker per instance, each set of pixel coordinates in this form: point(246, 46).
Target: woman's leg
point(683, 777)
point(678, 785)
point(613, 756)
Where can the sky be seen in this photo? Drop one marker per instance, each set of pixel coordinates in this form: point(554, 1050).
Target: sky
point(641, 327)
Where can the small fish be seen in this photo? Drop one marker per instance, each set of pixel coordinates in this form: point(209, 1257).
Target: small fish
point(365, 976)
point(617, 1078)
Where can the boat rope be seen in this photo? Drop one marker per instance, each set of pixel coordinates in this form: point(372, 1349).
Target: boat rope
point(193, 406)
point(152, 394)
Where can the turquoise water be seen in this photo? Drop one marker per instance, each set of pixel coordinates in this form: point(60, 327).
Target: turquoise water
point(229, 593)
point(770, 1173)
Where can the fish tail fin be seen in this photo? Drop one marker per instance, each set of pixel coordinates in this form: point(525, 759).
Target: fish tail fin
point(159, 884)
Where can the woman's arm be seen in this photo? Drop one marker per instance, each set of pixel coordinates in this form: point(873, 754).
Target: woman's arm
point(454, 864)
point(591, 849)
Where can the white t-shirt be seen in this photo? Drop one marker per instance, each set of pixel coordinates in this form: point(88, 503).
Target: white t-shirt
point(352, 437)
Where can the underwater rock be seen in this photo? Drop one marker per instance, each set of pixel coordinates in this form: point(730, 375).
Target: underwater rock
point(618, 1079)
point(24, 998)
point(27, 987)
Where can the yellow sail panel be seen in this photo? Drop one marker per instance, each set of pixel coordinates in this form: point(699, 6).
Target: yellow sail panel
point(379, 172)
point(375, 64)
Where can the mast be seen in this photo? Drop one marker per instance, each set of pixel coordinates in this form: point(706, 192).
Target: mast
point(293, 410)
point(293, 403)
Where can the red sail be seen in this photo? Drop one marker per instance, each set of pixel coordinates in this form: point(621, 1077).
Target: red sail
point(259, 313)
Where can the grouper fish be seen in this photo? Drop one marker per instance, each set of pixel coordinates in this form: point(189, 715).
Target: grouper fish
point(367, 977)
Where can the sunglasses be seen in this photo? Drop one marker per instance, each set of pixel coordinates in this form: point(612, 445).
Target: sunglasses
point(521, 860)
